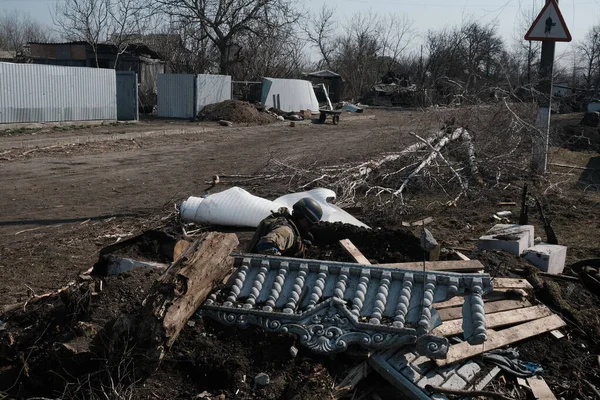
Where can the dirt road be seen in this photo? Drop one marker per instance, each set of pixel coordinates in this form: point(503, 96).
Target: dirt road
point(47, 194)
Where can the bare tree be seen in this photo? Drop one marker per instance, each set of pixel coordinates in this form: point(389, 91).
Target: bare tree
point(227, 22)
point(589, 53)
point(84, 20)
point(320, 30)
point(127, 22)
point(17, 29)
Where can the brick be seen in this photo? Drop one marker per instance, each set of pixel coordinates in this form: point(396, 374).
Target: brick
point(432, 379)
point(547, 257)
point(469, 370)
point(455, 382)
point(513, 239)
point(411, 374)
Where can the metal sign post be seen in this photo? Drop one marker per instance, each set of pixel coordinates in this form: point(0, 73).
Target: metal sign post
point(549, 27)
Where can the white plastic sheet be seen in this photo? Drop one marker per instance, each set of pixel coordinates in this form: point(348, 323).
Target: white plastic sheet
point(237, 207)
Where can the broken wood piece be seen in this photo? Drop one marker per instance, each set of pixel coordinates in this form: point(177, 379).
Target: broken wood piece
point(467, 393)
point(557, 334)
point(522, 382)
point(461, 255)
point(487, 378)
point(353, 378)
point(449, 314)
point(497, 339)
point(494, 320)
point(506, 203)
point(354, 252)
point(540, 388)
point(511, 283)
point(421, 222)
point(171, 301)
point(454, 265)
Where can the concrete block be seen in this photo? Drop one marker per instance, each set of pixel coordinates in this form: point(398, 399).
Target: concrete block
point(455, 382)
point(513, 239)
point(432, 379)
point(469, 370)
point(547, 257)
point(411, 374)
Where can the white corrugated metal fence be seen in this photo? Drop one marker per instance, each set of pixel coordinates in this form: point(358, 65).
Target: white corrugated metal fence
point(48, 93)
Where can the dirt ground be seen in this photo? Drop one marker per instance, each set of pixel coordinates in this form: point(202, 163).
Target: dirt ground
point(85, 188)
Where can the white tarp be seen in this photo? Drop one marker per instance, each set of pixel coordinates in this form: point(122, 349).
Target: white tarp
point(237, 207)
point(289, 94)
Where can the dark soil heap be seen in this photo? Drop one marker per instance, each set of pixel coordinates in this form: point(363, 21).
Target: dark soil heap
point(235, 111)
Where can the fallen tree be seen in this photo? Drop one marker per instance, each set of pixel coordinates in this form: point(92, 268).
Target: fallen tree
point(145, 336)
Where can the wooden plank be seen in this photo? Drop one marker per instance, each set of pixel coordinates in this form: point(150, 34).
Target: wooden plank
point(511, 283)
point(454, 265)
point(540, 388)
point(461, 255)
point(453, 302)
point(490, 307)
point(464, 350)
point(354, 252)
point(494, 320)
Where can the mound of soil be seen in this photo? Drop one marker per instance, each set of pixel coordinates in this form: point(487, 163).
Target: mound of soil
point(379, 245)
point(236, 111)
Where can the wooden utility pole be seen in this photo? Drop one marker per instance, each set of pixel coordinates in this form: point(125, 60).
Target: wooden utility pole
point(549, 27)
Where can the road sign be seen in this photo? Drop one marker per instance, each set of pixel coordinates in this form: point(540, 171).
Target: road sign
point(549, 25)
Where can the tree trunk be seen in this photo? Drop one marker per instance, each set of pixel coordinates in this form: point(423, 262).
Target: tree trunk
point(140, 340)
point(224, 60)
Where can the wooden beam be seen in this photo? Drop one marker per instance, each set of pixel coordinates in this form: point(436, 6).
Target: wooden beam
point(511, 283)
point(540, 388)
point(354, 252)
point(464, 350)
point(454, 327)
point(449, 314)
point(454, 265)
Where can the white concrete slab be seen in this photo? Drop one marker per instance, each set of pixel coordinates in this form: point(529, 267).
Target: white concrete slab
point(511, 238)
point(549, 258)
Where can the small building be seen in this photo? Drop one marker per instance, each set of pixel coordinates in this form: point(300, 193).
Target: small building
point(331, 80)
point(561, 88)
point(138, 58)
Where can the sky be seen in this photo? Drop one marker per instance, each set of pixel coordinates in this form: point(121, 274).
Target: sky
point(579, 15)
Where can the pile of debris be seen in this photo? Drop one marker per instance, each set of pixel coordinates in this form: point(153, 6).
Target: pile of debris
point(432, 328)
point(236, 111)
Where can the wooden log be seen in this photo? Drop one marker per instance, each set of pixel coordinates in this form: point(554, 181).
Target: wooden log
point(171, 301)
point(464, 350)
point(454, 265)
point(354, 252)
point(494, 320)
